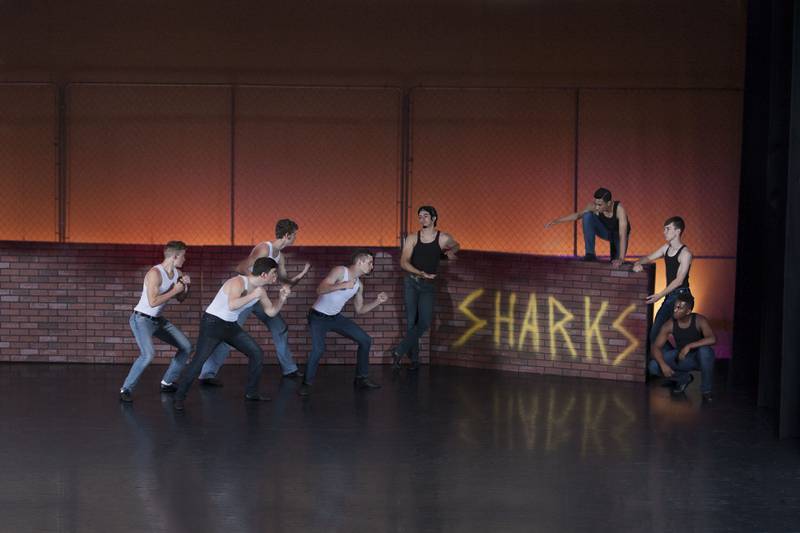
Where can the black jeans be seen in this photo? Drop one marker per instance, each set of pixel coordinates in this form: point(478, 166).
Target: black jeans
point(213, 331)
point(419, 295)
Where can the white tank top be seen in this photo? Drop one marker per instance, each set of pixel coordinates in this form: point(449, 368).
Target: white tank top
point(275, 257)
point(331, 303)
point(166, 282)
point(219, 305)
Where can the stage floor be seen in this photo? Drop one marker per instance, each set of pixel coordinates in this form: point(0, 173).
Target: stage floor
point(447, 449)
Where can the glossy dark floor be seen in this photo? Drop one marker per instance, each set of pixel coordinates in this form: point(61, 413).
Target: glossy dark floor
point(445, 450)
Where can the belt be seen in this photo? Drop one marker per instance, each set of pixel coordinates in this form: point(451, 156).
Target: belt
point(320, 314)
point(155, 318)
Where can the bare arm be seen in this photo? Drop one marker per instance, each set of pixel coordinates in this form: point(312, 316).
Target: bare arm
point(685, 260)
point(244, 266)
point(623, 235)
point(449, 245)
point(709, 339)
point(272, 309)
point(405, 258)
point(152, 281)
point(333, 281)
point(358, 301)
point(234, 289)
point(637, 266)
point(284, 277)
point(658, 355)
point(571, 217)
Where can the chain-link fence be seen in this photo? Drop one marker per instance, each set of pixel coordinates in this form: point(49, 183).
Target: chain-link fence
point(28, 170)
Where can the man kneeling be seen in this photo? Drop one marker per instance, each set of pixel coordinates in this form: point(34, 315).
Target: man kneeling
point(693, 338)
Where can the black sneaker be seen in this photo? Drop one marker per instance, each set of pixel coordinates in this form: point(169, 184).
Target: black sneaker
point(396, 357)
point(168, 388)
point(125, 396)
point(210, 382)
point(680, 388)
point(297, 374)
point(363, 383)
point(304, 389)
point(256, 398)
point(708, 397)
point(590, 257)
point(414, 365)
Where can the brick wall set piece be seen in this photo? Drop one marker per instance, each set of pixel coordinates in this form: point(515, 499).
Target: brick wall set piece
point(71, 303)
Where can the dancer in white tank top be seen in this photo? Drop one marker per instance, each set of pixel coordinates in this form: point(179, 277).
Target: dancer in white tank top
point(285, 235)
point(339, 286)
point(220, 324)
point(162, 283)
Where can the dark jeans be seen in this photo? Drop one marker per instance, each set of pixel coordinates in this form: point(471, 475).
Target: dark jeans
point(320, 324)
point(665, 312)
point(701, 359)
point(593, 227)
point(213, 331)
point(419, 295)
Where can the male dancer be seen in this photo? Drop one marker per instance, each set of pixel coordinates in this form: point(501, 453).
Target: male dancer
point(220, 324)
point(677, 262)
point(693, 338)
point(606, 219)
point(420, 258)
point(161, 283)
point(338, 287)
point(285, 233)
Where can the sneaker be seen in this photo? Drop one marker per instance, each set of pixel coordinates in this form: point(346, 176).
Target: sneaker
point(125, 396)
point(414, 365)
point(708, 397)
point(256, 398)
point(680, 388)
point(168, 387)
point(364, 382)
point(304, 389)
point(590, 257)
point(396, 357)
point(210, 382)
point(297, 374)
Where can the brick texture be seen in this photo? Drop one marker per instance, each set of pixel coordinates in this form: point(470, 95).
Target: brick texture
point(71, 303)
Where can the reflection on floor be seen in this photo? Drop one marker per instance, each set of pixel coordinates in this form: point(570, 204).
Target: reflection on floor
point(446, 449)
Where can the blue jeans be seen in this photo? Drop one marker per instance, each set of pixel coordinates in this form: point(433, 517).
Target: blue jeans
point(144, 329)
point(213, 331)
point(280, 337)
point(665, 312)
point(419, 295)
point(320, 324)
point(593, 227)
point(701, 359)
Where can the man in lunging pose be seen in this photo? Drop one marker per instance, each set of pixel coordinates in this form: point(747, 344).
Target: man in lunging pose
point(420, 259)
point(220, 324)
point(161, 283)
point(285, 233)
point(338, 287)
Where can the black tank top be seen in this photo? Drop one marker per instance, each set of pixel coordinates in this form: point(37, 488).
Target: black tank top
point(686, 336)
point(612, 224)
point(426, 255)
point(672, 264)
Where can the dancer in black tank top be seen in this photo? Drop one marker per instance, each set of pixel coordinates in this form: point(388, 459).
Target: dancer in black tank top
point(693, 340)
point(678, 262)
point(604, 219)
point(422, 252)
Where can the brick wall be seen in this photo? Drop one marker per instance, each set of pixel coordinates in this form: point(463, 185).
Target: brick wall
point(71, 303)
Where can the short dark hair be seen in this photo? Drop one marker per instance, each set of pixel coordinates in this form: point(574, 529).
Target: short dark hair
point(358, 254)
point(603, 194)
point(677, 222)
point(284, 227)
point(431, 211)
point(686, 297)
point(174, 248)
point(263, 264)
